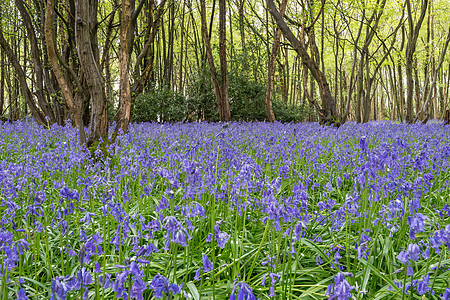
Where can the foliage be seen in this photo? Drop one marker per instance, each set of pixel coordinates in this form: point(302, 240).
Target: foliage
point(202, 103)
point(287, 113)
point(247, 100)
point(160, 105)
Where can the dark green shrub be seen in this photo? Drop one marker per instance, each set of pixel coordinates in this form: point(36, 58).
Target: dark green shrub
point(287, 113)
point(201, 102)
point(247, 100)
point(160, 105)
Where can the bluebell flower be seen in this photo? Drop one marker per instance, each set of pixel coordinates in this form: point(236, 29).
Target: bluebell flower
point(59, 289)
point(363, 144)
point(273, 280)
point(197, 274)
point(207, 265)
point(446, 295)
point(209, 238)
point(222, 239)
point(106, 281)
point(414, 252)
point(423, 286)
point(403, 257)
point(22, 245)
point(119, 283)
point(21, 295)
point(62, 285)
point(97, 268)
point(341, 289)
point(161, 286)
point(137, 289)
point(244, 292)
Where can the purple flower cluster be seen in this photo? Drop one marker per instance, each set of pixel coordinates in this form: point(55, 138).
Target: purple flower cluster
point(169, 204)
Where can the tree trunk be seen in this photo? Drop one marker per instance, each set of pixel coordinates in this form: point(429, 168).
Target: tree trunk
point(271, 68)
point(435, 75)
point(242, 33)
point(124, 110)
point(140, 79)
point(327, 114)
point(84, 10)
point(413, 35)
point(182, 35)
point(226, 114)
point(2, 82)
point(39, 117)
point(217, 86)
point(75, 107)
point(37, 63)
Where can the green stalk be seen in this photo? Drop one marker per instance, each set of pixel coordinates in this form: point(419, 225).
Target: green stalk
point(47, 250)
point(259, 249)
point(437, 270)
point(285, 277)
point(4, 288)
point(174, 261)
point(97, 288)
point(404, 284)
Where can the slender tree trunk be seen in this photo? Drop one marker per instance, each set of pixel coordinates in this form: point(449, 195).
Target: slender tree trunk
point(271, 68)
point(217, 86)
point(140, 79)
point(168, 61)
point(75, 107)
point(22, 80)
point(124, 111)
point(242, 33)
point(2, 82)
point(435, 75)
point(37, 63)
point(351, 84)
point(226, 114)
point(84, 9)
point(413, 34)
point(182, 34)
point(327, 114)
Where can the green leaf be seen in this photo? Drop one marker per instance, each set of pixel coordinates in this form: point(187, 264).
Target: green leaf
point(193, 290)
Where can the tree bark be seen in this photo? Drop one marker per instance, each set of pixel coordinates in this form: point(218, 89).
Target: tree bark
point(217, 87)
point(226, 113)
point(37, 63)
point(39, 117)
point(84, 10)
point(124, 110)
point(413, 34)
point(2, 82)
point(435, 75)
point(328, 113)
point(139, 78)
point(74, 107)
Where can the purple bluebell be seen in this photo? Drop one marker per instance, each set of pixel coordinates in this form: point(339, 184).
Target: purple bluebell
point(207, 265)
point(341, 289)
point(446, 295)
point(243, 290)
point(413, 252)
point(197, 274)
point(423, 286)
point(160, 286)
point(21, 295)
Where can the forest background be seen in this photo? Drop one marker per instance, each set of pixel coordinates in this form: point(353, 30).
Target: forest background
point(95, 61)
